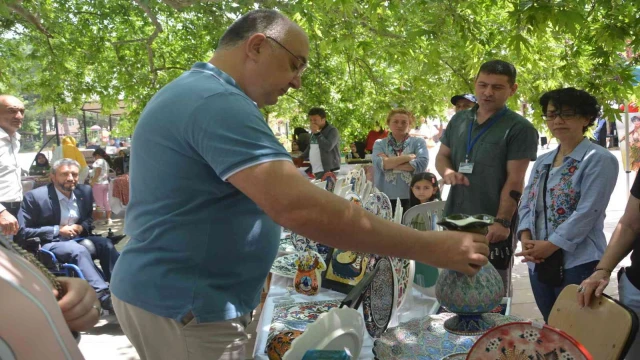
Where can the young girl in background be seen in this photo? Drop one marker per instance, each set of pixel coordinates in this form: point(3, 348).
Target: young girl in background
point(100, 182)
point(424, 188)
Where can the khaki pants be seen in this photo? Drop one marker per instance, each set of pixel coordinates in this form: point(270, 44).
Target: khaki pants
point(157, 338)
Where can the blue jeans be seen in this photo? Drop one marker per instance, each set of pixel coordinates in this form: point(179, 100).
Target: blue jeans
point(546, 295)
point(107, 254)
point(630, 296)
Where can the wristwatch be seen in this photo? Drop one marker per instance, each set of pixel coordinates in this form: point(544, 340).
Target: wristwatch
point(503, 222)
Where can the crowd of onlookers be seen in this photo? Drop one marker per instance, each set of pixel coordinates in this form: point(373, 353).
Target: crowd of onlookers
point(484, 154)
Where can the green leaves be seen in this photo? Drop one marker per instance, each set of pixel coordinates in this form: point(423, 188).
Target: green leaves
point(366, 56)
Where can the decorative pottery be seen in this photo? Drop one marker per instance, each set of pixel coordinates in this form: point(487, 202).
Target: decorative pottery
point(470, 297)
point(524, 340)
point(337, 329)
point(331, 184)
point(297, 316)
point(379, 205)
point(286, 246)
point(380, 298)
point(425, 338)
point(285, 266)
point(281, 343)
point(345, 269)
point(309, 275)
point(404, 270)
point(353, 197)
point(301, 243)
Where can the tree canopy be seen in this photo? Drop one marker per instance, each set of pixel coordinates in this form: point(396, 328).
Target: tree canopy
point(366, 56)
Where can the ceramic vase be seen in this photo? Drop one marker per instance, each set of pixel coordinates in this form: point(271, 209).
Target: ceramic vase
point(308, 276)
point(281, 343)
point(469, 297)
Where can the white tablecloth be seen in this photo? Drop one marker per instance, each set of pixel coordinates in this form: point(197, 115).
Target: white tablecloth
point(417, 305)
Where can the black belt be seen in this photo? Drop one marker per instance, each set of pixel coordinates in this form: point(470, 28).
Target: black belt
point(11, 205)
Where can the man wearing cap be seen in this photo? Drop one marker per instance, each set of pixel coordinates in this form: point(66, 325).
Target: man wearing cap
point(484, 155)
point(463, 102)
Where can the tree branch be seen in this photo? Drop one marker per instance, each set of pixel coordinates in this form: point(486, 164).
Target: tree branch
point(299, 102)
point(163, 68)
point(17, 7)
point(380, 33)
point(466, 81)
point(116, 43)
point(151, 38)
point(86, 13)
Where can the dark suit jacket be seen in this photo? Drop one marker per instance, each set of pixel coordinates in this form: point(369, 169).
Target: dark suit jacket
point(40, 212)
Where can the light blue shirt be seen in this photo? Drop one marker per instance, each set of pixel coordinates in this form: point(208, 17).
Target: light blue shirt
point(578, 193)
point(197, 244)
point(69, 212)
point(395, 185)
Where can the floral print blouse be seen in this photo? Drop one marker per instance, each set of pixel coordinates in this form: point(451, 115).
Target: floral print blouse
point(578, 192)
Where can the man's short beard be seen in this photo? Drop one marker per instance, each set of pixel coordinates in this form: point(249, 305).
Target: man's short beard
point(68, 187)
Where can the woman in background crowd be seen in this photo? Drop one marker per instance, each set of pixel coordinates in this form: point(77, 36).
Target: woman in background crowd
point(563, 207)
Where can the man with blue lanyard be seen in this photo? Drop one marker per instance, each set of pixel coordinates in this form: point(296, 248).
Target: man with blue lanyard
point(484, 155)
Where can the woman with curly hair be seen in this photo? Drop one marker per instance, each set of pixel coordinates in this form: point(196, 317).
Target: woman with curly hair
point(563, 207)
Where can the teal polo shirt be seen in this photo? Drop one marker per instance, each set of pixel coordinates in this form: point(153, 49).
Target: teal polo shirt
point(197, 244)
point(511, 137)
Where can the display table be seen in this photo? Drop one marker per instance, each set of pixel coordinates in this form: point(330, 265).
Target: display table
point(281, 289)
point(416, 316)
point(426, 339)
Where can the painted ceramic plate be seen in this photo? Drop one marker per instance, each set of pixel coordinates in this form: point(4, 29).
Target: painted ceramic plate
point(523, 340)
point(361, 181)
point(353, 197)
point(380, 298)
point(368, 186)
point(281, 343)
point(285, 266)
point(335, 330)
point(286, 246)
point(302, 244)
point(379, 205)
point(404, 271)
point(297, 316)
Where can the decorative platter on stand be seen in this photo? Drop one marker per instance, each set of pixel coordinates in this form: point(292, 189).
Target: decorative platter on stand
point(285, 266)
point(524, 340)
point(404, 271)
point(380, 297)
point(379, 205)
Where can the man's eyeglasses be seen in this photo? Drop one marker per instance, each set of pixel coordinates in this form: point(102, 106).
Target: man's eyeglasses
point(564, 116)
point(299, 68)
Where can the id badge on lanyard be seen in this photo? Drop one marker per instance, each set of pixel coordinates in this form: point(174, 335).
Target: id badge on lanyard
point(466, 167)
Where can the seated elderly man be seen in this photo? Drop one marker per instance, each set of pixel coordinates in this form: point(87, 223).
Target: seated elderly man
point(59, 214)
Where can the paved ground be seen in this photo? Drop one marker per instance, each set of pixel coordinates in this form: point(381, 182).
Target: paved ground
point(106, 340)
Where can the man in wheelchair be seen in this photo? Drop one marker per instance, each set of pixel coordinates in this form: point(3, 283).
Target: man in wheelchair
point(60, 215)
